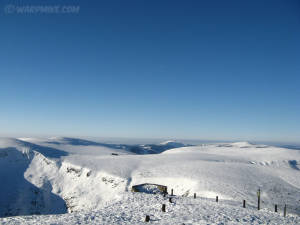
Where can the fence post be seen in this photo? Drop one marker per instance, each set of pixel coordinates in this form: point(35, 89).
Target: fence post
point(244, 203)
point(284, 211)
point(172, 191)
point(147, 218)
point(194, 195)
point(275, 207)
point(217, 198)
point(163, 208)
point(258, 199)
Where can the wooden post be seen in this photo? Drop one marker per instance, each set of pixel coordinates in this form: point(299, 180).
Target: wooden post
point(284, 211)
point(275, 207)
point(147, 218)
point(163, 208)
point(194, 195)
point(258, 199)
point(244, 203)
point(217, 198)
point(172, 191)
point(170, 200)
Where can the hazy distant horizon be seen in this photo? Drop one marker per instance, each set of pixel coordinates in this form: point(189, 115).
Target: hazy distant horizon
point(145, 140)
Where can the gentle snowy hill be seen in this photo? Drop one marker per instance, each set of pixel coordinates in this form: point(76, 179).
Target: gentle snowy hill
point(56, 175)
point(173, 144)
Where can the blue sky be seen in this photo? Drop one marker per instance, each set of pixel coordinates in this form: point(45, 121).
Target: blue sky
point(172, 69)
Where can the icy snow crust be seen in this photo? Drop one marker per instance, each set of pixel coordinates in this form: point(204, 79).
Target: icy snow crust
point(59, 175)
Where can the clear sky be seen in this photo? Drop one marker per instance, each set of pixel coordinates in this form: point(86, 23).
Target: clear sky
point(172, 69)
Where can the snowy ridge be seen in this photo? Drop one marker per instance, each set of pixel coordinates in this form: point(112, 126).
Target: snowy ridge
point(52, 176)
point(79, 146)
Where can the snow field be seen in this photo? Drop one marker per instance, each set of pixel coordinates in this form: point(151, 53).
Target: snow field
point(134, 207)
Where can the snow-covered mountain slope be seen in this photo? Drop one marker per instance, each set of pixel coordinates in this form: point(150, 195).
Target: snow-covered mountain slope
point(18, 195)
point(63, 168)
point(82, 176)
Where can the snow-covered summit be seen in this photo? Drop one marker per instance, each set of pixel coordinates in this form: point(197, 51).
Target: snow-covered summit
point(173, 143)
point(243, 144)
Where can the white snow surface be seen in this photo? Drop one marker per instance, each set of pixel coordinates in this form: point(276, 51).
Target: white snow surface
point(73, 181)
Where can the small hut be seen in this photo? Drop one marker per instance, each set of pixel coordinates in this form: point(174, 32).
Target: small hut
point(150, 188)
